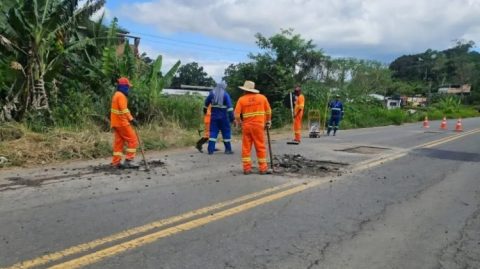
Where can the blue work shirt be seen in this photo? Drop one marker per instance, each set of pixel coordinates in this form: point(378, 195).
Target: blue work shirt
point(219, 111)
point(337, 108)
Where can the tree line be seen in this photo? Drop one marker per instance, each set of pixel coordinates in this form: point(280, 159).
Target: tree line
point(58, 67)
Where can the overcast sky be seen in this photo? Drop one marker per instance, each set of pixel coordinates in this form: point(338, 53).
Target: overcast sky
point(216, 33)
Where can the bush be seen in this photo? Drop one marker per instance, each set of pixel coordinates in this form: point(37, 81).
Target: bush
point(397, 116)
point(153, 107)
point(74, 109)
point(186, 110)
point(38, 121)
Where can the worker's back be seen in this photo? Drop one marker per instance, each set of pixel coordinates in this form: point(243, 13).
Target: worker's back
point(253, 108)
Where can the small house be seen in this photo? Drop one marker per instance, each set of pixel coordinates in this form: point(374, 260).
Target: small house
point(455, 89)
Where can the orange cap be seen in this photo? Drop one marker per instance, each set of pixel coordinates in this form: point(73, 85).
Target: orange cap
point(124, 81)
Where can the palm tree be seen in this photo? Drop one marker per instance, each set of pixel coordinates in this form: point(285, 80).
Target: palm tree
point(40, 34)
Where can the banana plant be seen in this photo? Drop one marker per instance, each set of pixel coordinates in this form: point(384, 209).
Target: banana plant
point(39, 35)
point(156, 80)
point(154, 84)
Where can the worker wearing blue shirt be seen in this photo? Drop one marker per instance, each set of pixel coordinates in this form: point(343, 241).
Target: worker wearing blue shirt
point(221, 118)
point(336, 108)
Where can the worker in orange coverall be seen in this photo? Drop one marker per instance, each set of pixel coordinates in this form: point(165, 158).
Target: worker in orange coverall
point(206, 132)
point(120, 120)
point(298, 114)
point(254, 114)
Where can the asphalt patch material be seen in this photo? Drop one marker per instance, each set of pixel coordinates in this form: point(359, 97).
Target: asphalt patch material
point(74, 173)
point(298, 164)
point(365, 150)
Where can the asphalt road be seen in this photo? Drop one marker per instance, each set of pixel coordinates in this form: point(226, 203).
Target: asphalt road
point(408, 198)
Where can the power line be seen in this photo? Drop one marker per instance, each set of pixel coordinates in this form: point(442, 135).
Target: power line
point(176, 47)
point(192, 43)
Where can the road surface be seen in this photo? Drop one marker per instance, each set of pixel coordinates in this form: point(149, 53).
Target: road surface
point(401, 197)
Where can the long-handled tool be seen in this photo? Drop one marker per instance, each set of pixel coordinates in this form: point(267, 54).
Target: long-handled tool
point(326, 110)
point(293, 118)
point(147, 168)
point(270, 149)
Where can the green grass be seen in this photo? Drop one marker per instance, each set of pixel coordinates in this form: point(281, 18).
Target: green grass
point(27, 148)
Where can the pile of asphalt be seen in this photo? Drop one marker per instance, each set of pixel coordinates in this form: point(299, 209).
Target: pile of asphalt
point(298, 164)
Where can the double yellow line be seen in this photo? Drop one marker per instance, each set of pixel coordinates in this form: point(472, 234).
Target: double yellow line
point(399, 154)
point(150, 233)
point(55, 256)
point(447, 139)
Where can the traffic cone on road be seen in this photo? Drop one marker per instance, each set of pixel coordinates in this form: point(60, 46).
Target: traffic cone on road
point(426, 125)
point(458, 126)
point(443, 125)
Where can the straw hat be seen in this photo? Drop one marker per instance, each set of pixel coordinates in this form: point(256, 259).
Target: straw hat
point(249, 86)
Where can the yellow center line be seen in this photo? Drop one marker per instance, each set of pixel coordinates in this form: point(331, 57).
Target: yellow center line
point(450, 138)
point(390, 157)
point(48, 258)
point(147, 239)
point(150, 238)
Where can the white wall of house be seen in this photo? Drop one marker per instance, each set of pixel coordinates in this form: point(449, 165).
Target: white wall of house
point(184, 92)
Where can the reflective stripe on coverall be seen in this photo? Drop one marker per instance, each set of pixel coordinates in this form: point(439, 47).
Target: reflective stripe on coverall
point(297, 123)
point(253, 110)
point(222, 116)
point(120, 118)
point(336, 115)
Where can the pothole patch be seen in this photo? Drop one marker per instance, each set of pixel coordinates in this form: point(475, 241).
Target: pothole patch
point(298, 164)
point(109, 169)
point(364, 150)
point(76, 173)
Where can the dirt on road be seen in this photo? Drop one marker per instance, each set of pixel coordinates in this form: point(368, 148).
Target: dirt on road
point(298, 164)
point(62, 174)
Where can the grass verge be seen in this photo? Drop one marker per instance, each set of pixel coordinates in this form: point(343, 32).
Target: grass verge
point(21, 147)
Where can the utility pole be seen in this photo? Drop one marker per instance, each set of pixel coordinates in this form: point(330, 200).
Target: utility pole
point(429, 96)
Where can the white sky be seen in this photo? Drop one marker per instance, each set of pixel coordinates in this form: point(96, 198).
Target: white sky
point(372, 29)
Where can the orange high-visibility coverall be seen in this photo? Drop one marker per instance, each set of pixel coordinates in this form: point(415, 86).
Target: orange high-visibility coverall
point(253, 110)
point(120, 118)
point(298, 112)
point(206, 121)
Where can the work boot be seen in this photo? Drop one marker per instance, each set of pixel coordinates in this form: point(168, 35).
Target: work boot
point(129, 164)
point(116, 165)
point(228, 148)
point(328, 131)
point(200, 143)
point(267, 172)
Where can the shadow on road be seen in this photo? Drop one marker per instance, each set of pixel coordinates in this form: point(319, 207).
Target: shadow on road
point(449, 155)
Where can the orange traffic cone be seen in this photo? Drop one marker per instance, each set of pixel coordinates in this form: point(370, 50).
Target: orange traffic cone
point(459, 127)
point(443, 125)
point(426, 125)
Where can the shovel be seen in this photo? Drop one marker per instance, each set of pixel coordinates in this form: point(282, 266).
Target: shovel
point(270, 149)
point(147, 168)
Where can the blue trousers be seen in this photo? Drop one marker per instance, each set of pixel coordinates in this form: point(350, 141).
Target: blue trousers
point(216, 126)
point(333, 123)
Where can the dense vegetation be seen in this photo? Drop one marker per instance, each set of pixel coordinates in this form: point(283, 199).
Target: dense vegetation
point(288, 59)
point(58, 70)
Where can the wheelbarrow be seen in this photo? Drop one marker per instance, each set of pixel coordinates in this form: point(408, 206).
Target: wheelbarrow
point(314, 123)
